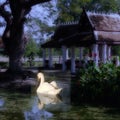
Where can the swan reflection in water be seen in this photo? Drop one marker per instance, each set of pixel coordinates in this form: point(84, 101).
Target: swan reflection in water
point(38, 111)
point(48, 100)
point(37, 114)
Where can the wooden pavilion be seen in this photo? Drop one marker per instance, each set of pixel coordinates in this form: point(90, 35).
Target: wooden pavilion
point(97, 31)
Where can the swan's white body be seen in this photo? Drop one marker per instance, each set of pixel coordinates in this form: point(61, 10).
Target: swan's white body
point(47, 88)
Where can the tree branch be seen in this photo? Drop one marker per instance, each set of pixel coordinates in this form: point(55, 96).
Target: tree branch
point(5, 3)
point(30, 3)
point(5, 14)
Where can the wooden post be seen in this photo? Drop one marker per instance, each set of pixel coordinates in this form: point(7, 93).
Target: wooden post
point(109, 53)
point(81, 53)
point(95, 54)
point(50, 57)
point(117, 61)
point(44, 56)
point(73, 60)
point(67, 53)
point(64, 58)
point(104, 53)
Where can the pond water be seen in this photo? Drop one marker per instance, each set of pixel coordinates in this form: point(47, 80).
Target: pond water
point(21, 106)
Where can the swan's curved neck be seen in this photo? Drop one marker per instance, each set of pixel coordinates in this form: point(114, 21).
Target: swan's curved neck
point(41, 79)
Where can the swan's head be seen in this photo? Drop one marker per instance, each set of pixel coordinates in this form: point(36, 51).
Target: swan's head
point(40, 75)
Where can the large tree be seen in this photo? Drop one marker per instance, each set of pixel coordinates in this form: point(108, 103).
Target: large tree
point(107, 6)
point(14, 13)
point(69, 10)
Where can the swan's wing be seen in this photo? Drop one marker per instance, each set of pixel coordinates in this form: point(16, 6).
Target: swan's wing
point(49, 88)
point(55, 91)
point(45, 88)
point(53, 83)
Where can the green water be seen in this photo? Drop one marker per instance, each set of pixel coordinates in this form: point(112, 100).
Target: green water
point(20, 106)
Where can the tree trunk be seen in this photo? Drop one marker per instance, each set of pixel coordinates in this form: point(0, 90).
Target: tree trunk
point(14, 45)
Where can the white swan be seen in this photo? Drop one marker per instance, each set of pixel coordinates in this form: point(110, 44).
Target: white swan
point(47, 88)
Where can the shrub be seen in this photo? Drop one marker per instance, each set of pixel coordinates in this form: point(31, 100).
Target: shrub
point(97, 84)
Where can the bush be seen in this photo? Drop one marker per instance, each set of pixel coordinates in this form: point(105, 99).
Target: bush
point(98, 84)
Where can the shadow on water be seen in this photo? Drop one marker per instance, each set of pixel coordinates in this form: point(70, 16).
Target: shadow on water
point(19, 106)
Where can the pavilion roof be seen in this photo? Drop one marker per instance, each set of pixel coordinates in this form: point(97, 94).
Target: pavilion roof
point(62, 31)
point(51, 44)
point(96, 28)
point(92, 28)
point(104, 22)
point(106, 27)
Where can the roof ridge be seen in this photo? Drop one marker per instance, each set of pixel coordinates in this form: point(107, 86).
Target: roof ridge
point(103, 14)
point(68, 23)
